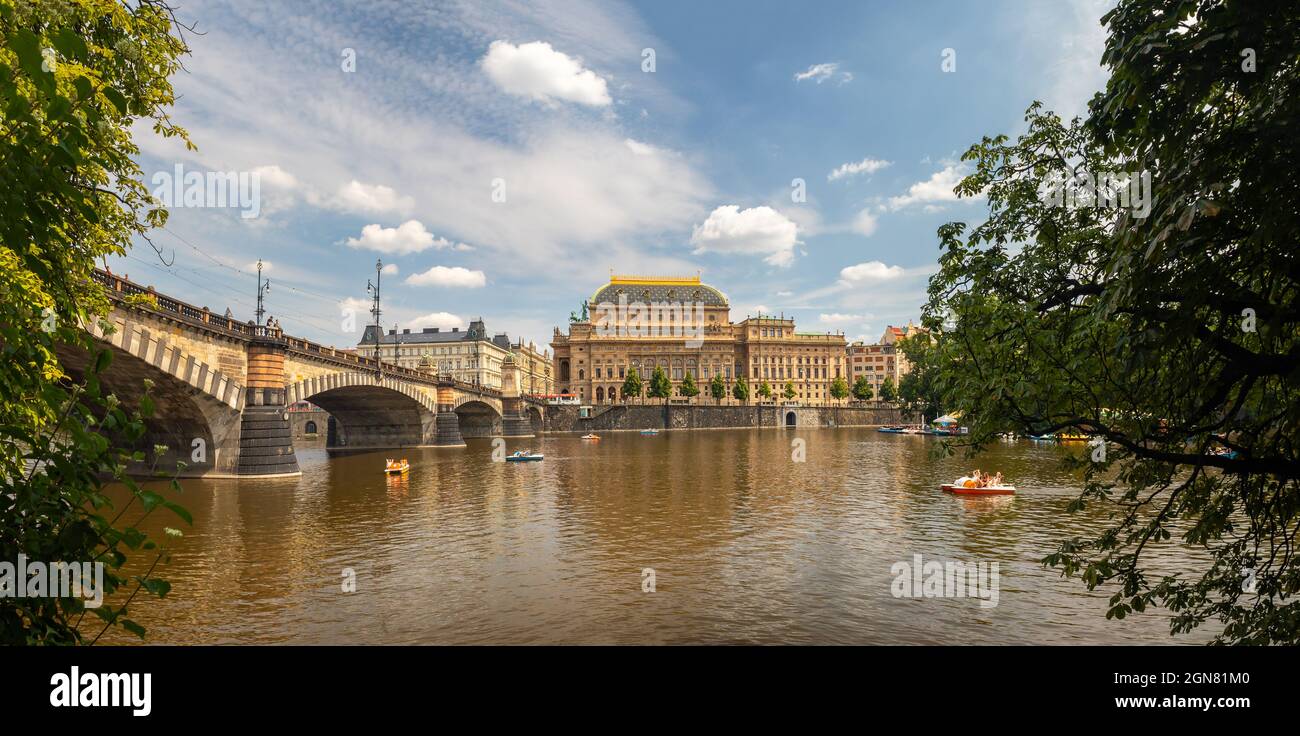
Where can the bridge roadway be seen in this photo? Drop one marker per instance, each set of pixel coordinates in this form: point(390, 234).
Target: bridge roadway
point(221, 388)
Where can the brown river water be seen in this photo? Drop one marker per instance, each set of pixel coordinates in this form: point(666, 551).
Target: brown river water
point(746, 546)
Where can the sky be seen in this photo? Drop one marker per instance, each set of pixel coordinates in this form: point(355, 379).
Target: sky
point(502, 158)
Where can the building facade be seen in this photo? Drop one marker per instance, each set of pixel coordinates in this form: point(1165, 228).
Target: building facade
point(468, 355)
point(881, 360)
point(536, 372)
point(684, 326)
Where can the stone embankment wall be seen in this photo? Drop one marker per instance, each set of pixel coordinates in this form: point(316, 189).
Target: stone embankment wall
point(678, 416)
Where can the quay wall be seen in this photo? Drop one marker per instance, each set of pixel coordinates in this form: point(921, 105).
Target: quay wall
point(631, 417)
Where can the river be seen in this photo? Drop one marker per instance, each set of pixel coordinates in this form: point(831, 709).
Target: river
point(746, 544)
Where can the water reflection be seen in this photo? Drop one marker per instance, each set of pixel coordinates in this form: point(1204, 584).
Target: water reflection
point(747, 546)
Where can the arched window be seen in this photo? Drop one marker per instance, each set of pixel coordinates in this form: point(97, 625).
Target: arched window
point(309, 428)
point(581, 374)
point(600, 394)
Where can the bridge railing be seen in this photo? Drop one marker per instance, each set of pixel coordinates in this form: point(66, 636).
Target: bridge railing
point(119, 288)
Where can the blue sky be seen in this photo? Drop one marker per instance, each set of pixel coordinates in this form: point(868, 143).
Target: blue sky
point(504, 157)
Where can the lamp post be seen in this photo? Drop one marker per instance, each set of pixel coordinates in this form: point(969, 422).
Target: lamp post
point(262, 290)
point(373, 288)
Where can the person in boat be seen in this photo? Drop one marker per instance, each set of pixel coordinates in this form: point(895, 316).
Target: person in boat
point(996, 480)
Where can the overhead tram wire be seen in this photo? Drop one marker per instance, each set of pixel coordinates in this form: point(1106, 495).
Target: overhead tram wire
point(288, 315)
point(279, 280)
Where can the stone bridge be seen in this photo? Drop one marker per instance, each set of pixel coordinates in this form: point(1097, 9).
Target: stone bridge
point(221, 389)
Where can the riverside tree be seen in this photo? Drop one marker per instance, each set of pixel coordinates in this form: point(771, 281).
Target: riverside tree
point(718, 388)
point(1171, 335)
point(764, 389)
point(862, 389)
point(632, 384)
point(740, 389)
point(887, 390)
point(660, 387)
point(688, 388)
point(839, 388)
point(76, 77)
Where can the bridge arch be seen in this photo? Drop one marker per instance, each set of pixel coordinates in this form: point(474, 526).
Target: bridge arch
point(370, 412)
point(478, 417)
point(196, 407)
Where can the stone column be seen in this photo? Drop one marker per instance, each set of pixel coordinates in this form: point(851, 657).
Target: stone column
point(265, 439)
point(446, 424)
point(514, 420)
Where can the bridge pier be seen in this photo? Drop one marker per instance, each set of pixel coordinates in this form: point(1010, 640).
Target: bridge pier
point(514, 419)
point(265, 439)
point(446, 423)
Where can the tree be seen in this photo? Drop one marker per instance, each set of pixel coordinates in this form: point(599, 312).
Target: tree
point(917, 391)
point(718, 388)
point(764, 389)
point(789, 391)
point(1170, 333)
point(660, 387)
point(862, 389)
point(688, 388)
point(632, 384)
point(740, 389)
point(840, 388)
point(887, 390)
point(74, 83)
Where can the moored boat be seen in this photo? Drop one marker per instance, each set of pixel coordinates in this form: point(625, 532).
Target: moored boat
point(591, 437)
point(649, 432)
point(892, 430)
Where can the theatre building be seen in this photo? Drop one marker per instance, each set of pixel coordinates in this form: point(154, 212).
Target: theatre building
point(684, 326)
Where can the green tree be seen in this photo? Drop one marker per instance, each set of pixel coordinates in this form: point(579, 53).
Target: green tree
point(1173, 334)
point(840, 388)
point(862, 389)
point(632, 384)
point(688, 387)
point(887, 390)
point(718, 388)
point(660, 387)
point(740, 389)
point(74, 80)
point(764, 389)
point(789, 391)
point(916, 390)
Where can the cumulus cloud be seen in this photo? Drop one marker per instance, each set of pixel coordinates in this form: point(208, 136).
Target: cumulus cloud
point(929, 193)
point(275, 177)
point(864, 223)
point(755, 231)
point(442, 320)
point(371, 198)
point(821, 72)
point(409, 237)
point(837, 318)
point(539, 72)
point(869, 272)
point(390, 270)
point(450, 277)
point(865, 166)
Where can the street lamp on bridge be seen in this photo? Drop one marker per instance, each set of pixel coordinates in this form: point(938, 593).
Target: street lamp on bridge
point(373, 288)
point(262, 290)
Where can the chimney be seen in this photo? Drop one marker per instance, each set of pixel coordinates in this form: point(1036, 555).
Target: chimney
point(392, 332)
point(455, 329)
point(430, 329)
point(406, 332)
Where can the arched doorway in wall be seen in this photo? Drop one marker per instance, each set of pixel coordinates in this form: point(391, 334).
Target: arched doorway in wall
point(789, 419)
point(600, 394)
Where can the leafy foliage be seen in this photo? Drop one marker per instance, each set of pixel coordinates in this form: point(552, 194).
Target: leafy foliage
point(862, 389)
point(740, 389)
point(688, 387)
point(74, 77)
point(718, 388)
point(660, 387)
point(1174, 337)
point(839, 388)
point(631, 384)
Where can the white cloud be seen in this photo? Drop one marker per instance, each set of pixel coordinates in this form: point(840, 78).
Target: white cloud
point(390, 270)
point(865, 166)
point(785, 293)
point(758, 231)
point(821, 72)
point(409, 237)
point(275, 177)
point(871, 271)
point(864, 223)
point(442, 320)
point(537, 71)
point(837, 318)
point(450, 277)
point(938, 188)
point(371, 198)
